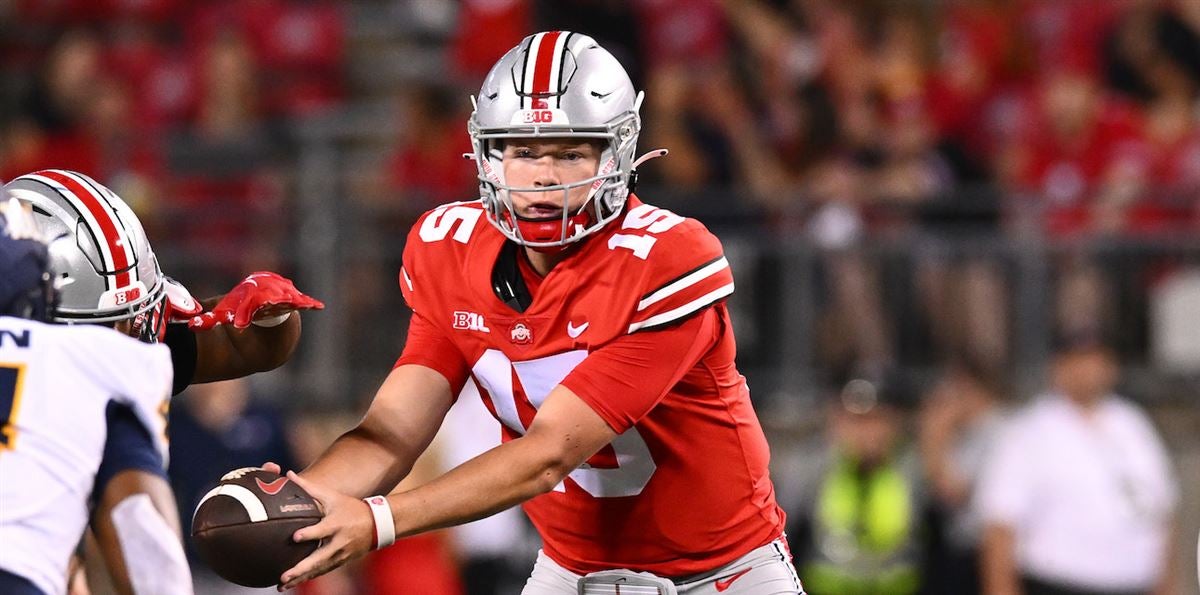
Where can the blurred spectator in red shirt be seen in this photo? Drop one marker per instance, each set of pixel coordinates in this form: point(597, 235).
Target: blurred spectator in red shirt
point(1080, 156)
point(226, 190)
point(691, 32)
point(1055, 32)
point(48, 133)
point(130, 162)
point(164, 77)
point(689, 85)
point(486, 29)
point(60, 94)
point(1153, 55)
point(977, 54)
point(427, 167)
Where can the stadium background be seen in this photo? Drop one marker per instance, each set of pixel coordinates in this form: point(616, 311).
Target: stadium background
point(899, 184)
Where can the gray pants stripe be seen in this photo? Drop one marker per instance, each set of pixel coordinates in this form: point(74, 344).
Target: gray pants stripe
point(787, 558)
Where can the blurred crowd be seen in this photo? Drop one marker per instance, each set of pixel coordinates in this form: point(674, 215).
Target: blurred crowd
point(182, 108)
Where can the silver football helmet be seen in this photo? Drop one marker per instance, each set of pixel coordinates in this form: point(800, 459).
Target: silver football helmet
point(556, 84)
point(106, 270)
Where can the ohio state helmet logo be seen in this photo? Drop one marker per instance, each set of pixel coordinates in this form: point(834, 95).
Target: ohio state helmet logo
point(520, 334)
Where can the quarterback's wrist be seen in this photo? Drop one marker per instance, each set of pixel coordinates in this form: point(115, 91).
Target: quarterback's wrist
point(383, 532)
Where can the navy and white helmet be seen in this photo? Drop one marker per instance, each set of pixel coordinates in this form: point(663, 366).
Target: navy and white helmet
point(556, 84)
point(106, 270)
point(26, 281)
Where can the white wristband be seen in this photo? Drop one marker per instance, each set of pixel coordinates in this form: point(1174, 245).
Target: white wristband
point(273, 320)
point(385, 527)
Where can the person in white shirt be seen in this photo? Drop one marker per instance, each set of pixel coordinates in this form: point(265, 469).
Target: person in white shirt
point(56, 385)
point(1078, 497)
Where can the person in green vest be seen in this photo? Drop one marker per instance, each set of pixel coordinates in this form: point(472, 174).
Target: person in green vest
point(860, 524)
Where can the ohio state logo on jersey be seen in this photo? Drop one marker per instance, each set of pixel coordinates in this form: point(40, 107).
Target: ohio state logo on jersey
point(520, 334)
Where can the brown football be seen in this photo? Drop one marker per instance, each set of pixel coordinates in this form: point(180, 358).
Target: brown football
point(243, 527)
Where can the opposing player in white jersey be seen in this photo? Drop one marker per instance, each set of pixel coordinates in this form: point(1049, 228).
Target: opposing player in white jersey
point(56, 385)
point(110, 276)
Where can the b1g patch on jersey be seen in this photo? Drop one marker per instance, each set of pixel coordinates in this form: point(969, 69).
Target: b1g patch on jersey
point(469, 321)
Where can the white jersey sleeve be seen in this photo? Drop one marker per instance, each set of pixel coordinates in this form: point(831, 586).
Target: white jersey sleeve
point(133, 373)
point(56, 383)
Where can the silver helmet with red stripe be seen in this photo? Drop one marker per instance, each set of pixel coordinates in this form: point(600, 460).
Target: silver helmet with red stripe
point(106, 271)
point(556, 84)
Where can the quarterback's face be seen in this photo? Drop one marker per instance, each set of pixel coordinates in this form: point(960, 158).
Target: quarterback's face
point(531, 163)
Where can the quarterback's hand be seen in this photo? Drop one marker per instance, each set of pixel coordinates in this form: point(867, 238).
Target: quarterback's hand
point(260, 295)
point(346, 532)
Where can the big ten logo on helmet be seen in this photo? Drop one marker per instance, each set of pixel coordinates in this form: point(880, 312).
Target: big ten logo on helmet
point(121, 296)
point(539, 116)
point(469, 321)
point(125, 296)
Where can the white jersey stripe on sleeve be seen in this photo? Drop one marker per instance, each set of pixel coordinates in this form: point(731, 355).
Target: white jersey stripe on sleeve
point(684, 282)
point(683, 310)
point(407, 279)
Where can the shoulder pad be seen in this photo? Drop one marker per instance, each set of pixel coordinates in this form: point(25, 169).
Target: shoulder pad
point(436, 240)
point(684, 270)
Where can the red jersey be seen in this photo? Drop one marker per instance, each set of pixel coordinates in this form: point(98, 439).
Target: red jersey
point(633, 321)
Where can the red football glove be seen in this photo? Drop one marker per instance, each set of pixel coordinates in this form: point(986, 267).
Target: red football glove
point(260, 295)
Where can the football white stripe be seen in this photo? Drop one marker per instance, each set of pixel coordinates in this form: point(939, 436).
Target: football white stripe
point(687, 281)
point(683, 310)
point(254, 507)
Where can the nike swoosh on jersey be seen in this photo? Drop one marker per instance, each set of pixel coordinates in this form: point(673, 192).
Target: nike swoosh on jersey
point(574, 331)
point(723, 584)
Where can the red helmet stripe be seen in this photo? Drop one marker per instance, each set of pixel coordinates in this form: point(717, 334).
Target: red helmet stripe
point(95, 206)
point(544, 66)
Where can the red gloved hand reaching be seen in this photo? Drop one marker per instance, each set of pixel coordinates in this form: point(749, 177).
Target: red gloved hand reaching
point(261, 295)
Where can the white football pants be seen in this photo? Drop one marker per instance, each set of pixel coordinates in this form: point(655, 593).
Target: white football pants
point(765, 570)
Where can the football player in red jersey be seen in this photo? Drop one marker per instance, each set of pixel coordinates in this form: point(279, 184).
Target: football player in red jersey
point(594, 326)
